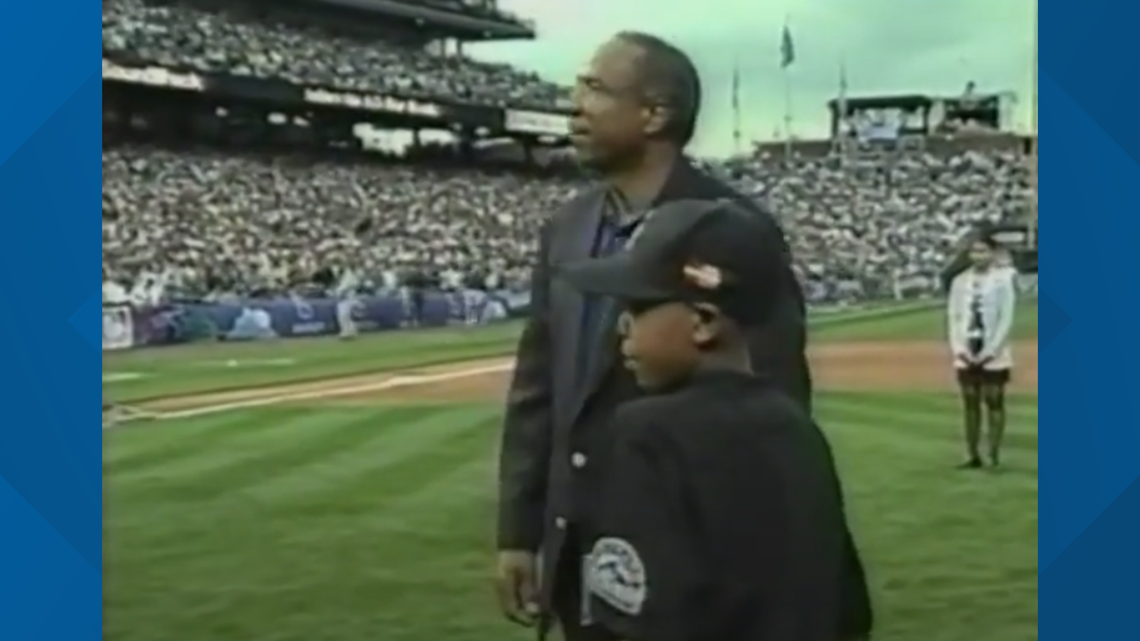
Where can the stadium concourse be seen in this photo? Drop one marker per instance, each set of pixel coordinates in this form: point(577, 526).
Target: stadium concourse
point(249, 156)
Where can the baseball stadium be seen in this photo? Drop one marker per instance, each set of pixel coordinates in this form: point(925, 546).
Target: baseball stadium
point(329, 489)
point(321, 219)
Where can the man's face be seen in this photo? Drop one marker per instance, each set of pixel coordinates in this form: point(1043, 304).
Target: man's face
point(609, 125)
point(658, 344)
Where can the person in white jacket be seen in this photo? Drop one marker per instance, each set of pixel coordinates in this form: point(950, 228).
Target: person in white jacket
point(980, 316)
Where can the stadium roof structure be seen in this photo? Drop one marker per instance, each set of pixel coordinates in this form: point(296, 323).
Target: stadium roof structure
point(467, 24)
point(463, 20)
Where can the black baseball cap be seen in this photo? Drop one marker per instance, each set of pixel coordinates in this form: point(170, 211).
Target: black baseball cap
point(695, 251)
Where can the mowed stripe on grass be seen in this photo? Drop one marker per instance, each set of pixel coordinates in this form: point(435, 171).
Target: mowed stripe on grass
point(952, 554)
point(350, 523)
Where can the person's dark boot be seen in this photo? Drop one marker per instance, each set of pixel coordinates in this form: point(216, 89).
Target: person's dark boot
point(972, 463)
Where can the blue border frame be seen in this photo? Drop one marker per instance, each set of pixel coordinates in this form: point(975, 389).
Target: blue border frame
point(50, 440)
point(1089, 504)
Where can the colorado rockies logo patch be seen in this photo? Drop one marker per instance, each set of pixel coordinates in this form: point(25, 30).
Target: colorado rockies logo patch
point(615, 574)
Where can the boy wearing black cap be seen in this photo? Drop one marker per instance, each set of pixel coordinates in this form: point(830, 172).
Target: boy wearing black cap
point(717, 515)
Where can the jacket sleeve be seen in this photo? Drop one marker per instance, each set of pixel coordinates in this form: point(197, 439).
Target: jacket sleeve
point(525, 451)
point(801, 554)
point(644, 576)
point(779, 347)
point(955, 308)
point(1006, 300)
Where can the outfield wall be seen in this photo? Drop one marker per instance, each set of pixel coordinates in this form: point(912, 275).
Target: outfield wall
point(125, 327)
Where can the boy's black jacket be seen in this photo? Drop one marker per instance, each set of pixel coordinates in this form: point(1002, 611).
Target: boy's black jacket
point(719, 517)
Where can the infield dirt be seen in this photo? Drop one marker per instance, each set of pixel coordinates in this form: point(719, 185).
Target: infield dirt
point(878, 366)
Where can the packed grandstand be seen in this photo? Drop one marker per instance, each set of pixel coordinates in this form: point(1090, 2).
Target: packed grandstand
point(248, 151)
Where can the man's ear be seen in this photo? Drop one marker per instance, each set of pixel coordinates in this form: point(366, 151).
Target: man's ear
point(708, 323)
point(657, 118)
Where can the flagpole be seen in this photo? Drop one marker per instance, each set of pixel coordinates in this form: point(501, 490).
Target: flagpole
point(787, 57)
point(787, 113)
point(841, 106)
point(736, 135)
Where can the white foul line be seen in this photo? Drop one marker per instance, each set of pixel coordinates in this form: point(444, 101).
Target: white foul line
point(378, 386)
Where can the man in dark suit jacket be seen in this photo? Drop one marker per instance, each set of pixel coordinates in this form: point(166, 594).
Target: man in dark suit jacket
point(637, 107)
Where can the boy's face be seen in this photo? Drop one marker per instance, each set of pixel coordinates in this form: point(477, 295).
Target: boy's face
point(660, 342)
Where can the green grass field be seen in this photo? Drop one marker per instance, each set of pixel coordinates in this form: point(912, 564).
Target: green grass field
point(207, 367)
point(350, 523)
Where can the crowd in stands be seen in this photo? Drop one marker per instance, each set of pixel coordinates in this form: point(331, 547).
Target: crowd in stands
point(888, 220)
point(258, 223)
point(178, 36)
point(205, 222)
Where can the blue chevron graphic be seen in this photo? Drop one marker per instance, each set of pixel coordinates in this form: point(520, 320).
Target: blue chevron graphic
point(87, 318)
point(51, 507)
point(52, 458)
point(1094, 558)
point(1051, 320)
point(49, 570)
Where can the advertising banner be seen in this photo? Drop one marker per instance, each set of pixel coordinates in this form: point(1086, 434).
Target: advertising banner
point(296, 317)
point(536, 123)
point(153, 76)
point(373, 102)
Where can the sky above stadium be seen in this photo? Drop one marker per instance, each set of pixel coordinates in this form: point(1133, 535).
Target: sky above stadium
point(888, 46)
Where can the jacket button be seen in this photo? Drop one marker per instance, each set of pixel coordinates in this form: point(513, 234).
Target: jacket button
point(578, 460)
point(560, 523)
